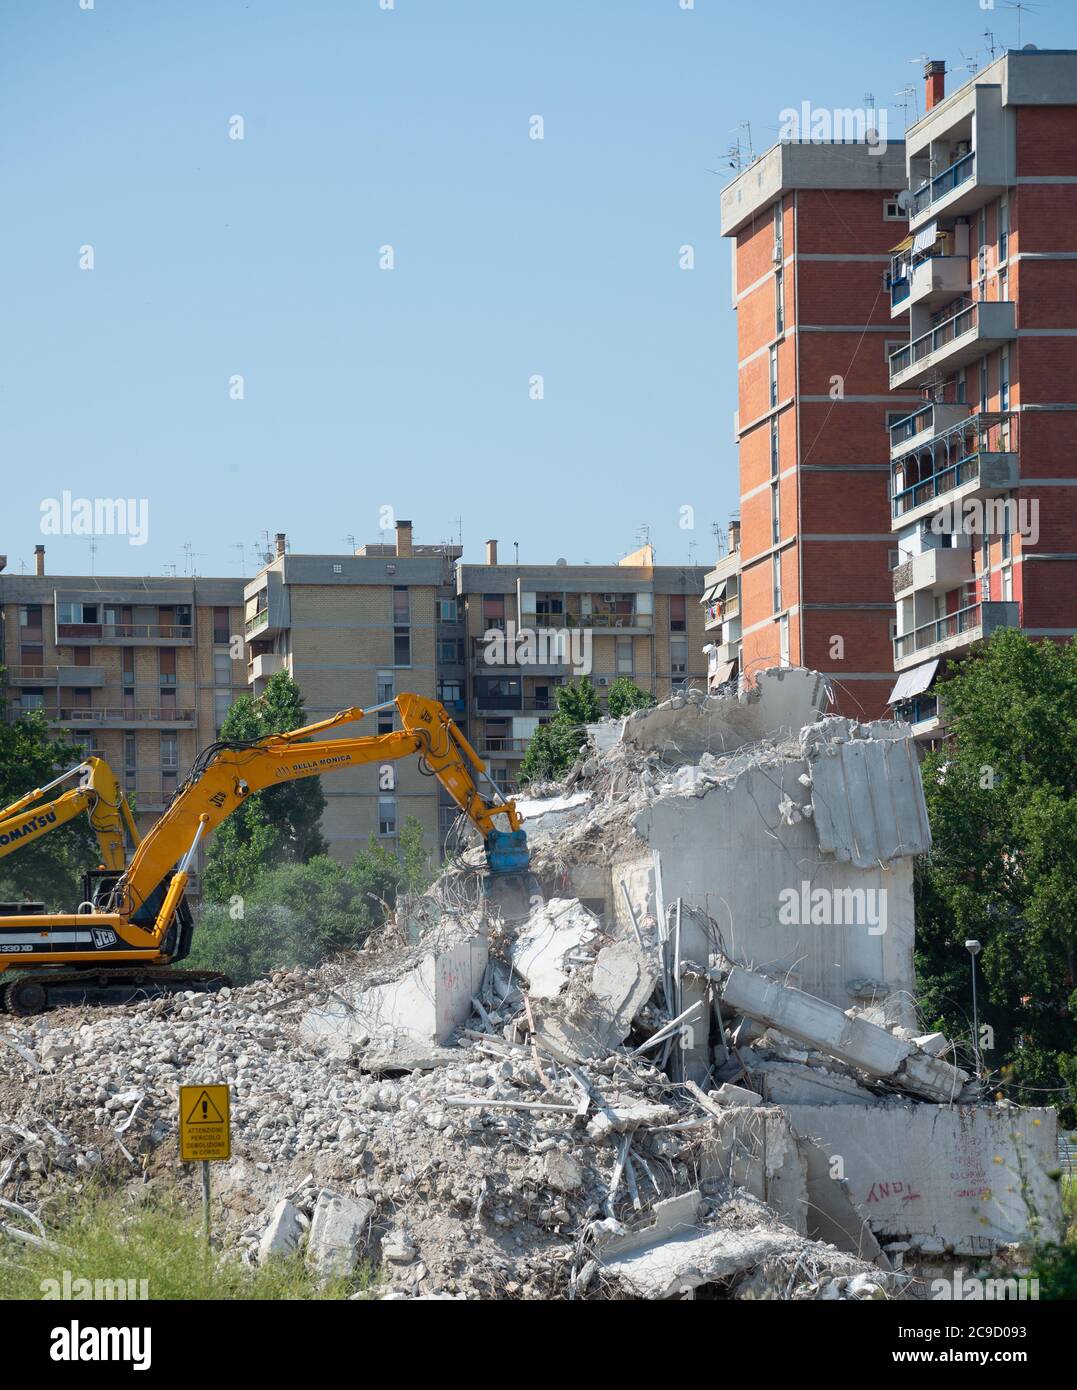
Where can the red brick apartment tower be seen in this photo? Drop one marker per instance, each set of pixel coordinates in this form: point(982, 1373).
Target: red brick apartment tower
point(988, 283)
point(812, 227)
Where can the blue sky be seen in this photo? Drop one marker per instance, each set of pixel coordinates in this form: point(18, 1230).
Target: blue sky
point(407, 389)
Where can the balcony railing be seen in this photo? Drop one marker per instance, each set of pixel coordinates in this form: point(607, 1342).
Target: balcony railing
point(504, 745)
point(961, 171)
point(955, 327)
point(941, 630)
point(990, 434)
point(113, 632)
point(117, 715)
point(584, 620)
point(260, 619)
point(517, 703)
point(30, 673)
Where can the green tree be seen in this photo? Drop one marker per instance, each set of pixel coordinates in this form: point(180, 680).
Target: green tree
point(625, 696)
point(278, 825)
point(48, 870)
point(553, 747)
point(1002, 798)
point(299, 914)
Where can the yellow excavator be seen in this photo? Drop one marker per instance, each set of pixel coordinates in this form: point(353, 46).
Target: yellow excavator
point(96, 791)
point(117, 946)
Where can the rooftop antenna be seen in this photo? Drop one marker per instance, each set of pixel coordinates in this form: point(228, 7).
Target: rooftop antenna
point(170, 571)
point(1020, 6)
point(190, 555)
point(350, 539)
point(238, 545)
point(746, 126)
point(93, 553)
point(992, 46)
point(691, 552)
point(907, 95)
point(643, 535)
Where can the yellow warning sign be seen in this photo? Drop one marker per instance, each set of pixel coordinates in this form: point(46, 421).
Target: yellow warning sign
point(205, 1123)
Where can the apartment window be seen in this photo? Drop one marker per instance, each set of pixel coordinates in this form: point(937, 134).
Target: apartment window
point(447, 608)
point(166, 662)
point(83, 656)
point(773, 376)
point(498, 692)
point(168, 702)
point(678, 619)
point(1003, 231)
point(401, 605)
point(1005, 536)
point(338, 569)
point(30, 620)
point(222, 668)
point(892, 211)
point(678, 656)
point(222, 703)
point(222, 627)
point(34, 656)
point(624, 656)
point(450, 651)
point(78, 613)
point(493, 611)
point(130, 751)
point(776, 580)
point(129, 701)
point(779, 302)
point(386, 691)
point(774, 448)
point(169, 749)
point(401, 646)
point(1007, 584)
point(779, 233)
point(549, 606)
point(32, 699)
point(983, 384)
point(1004, 379)
point(168, 785)
point(127, 663)
point(386, 815)
point(775, 515)
point(450, 692)
point(890, 346)
point(81, 698)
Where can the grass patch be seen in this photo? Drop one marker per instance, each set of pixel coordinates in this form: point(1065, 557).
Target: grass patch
point(159, 1242)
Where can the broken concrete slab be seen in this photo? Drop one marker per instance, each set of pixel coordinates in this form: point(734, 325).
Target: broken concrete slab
point(728, 1094)
point(595, 1013)
point(867, 797)
point(782, 700)
point(965, 1179)
point(338, 1229)
point(850, 1039)
point(427, 1003)
point(555, 931)
point(283, 1234)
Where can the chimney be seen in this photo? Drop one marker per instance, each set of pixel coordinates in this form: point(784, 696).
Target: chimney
point(39, 560)
point(281, 542)
point(734, 536)
point(491, 552)
point(935, 77)
point(403, 539)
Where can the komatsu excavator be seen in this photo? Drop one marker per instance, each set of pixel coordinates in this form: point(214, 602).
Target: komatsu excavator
point(96, 791)
point(115, 948)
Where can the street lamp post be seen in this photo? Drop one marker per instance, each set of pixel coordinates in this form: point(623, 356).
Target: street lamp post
point(973, 948)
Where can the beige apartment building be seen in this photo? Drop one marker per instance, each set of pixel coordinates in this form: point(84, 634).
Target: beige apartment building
point(138, 671)
point(357, 630)
point(634, 619)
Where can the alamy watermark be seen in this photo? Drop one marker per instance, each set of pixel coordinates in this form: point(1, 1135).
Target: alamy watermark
point(97, 516)
point(833, 907)
point(974, 1289)
point(828, 125)
point(538, 646)
point(988, 516)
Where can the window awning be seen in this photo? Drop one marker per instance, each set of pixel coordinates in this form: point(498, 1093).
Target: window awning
point(901, 246)
point(724, 673)
point(715, 592)
point(913, 682)
point(925, 238)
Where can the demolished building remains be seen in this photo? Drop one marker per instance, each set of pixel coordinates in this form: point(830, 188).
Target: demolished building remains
point(693, 1062)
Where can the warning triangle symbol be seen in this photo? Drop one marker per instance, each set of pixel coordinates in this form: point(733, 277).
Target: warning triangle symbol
point(205, 1112)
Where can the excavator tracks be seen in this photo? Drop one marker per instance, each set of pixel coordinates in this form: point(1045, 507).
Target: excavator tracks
point(33, 994)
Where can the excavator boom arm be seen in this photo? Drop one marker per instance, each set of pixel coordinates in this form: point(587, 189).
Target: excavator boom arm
point(227, 774)
point(98, 792)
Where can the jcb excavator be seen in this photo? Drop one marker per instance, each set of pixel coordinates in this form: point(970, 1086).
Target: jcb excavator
point(137, 921)
point(96, 792)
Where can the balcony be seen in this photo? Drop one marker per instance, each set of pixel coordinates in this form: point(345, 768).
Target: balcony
point(503, 747)
point(970, 333)
point(622, 622)
point(952, 632)
point(936, 192)
point(930, 282)
point(116, 718)
point(88, 677)
point(978, 459)
point(933, 571)
point(723, 611)
point(124, 634)
point(261, 667)
point(255, 624)
point(511, 704)
point(925, 424)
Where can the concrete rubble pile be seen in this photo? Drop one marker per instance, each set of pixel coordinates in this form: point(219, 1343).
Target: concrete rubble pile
point(692, 1068)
